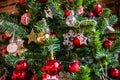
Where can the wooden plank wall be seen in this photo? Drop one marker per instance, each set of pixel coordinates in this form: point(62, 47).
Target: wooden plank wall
point(8, 6)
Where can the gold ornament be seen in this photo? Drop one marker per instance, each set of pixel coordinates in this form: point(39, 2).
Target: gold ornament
point(32, 37)
point(21, 48)
point(41, 38)
point(8, 34)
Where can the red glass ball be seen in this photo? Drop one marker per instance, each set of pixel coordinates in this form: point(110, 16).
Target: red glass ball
point(67, 12)
point(76, 42)
point(5, 37)
point(74, 66)
point(22, 65)
point(4, 50)
point(52, 34)
point(90, 14)
point(19, 75)
point(97, 10)
point(107, 44)
point(21, 2)
point(113, 73)
point(43, 1)
point(52, 67)
point(71, 1)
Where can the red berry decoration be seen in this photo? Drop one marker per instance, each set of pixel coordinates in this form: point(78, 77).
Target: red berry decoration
point(52, 34)
point(22, 2)
point(74, 66)
point(107, 44)
point(113, 73)
point(67, 12)
point(43, 1)
point(80, 41)
point(22, 65)
point(52, 67)
point(5, 37)
point(19, 75)
point(90, 14)
point(4, 50)
point(71, 1)
point(97, 10)
point(25, 18)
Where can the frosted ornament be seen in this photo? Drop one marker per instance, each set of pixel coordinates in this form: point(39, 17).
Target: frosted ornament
point(71, 20)
point(12, 47)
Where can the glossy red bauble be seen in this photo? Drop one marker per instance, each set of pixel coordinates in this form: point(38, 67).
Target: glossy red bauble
point(97, 10)
point(90, 14)
point(114, 73)
point(74, 66)
point(80, 41)
point(19, 75)
point(52, 34)
point(107, 44)
point(21, 2)
point(43, 1)
point(4, 51)
point(67, 12)
point(52, 67)
point(25, 18)
point(5, 37)
point(22, 65)
point(71, 1)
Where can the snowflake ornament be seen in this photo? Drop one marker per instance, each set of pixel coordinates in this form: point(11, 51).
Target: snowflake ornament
point(68, 39)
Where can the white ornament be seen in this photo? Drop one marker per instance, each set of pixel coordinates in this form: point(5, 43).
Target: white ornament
point(48, 13)
point(68, 39)
point(12, 47)
point(110, 29)
point(82, 39)
point(47, 36)
point(71, 20)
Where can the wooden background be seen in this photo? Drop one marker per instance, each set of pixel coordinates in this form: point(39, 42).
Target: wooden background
point(9, 5)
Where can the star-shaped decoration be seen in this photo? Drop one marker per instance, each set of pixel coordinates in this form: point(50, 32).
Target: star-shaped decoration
point(83, 39)
point(41, 38)
point(32, 37)
point(20, 51)
point(48, 13)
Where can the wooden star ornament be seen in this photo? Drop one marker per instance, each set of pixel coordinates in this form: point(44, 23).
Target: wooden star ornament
point(32, 37)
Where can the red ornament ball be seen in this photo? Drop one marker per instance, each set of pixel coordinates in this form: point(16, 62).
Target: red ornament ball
point(90, 14)
point(107, 44)
point(4, 51)
point(67, 12)
point(52, 34)
point(43, 1)
point(19, 75)
point(97, 10)
point(52, 67)
point(22, 2)
point(80, 41)
point(25, 18)
point(22, 65)
point(114, 73)
point(74, 66)
point(71, 1)
point(5, 37)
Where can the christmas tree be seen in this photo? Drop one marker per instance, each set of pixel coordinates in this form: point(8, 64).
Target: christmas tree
point(59, 40)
